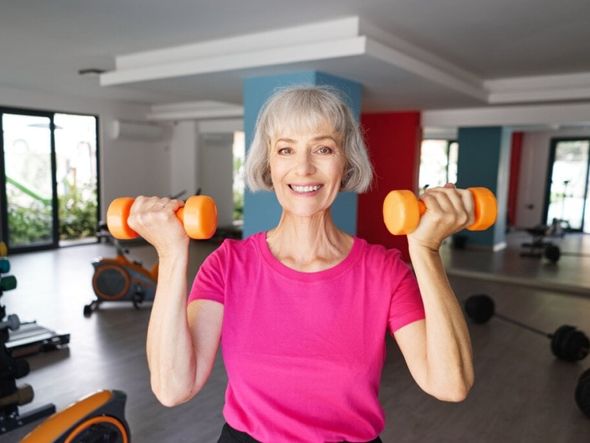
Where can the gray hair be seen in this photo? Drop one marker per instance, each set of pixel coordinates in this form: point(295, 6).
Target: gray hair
point(307, 107)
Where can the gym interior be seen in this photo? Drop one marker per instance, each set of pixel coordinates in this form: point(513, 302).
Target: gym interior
point(100, 100)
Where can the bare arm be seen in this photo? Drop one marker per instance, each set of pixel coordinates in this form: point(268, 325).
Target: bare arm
point(181, 343)
point(438, 349)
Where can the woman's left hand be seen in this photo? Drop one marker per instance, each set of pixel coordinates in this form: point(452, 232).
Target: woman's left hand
point(448, 210)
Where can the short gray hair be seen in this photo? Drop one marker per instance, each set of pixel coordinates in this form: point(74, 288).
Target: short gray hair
point(307, 107)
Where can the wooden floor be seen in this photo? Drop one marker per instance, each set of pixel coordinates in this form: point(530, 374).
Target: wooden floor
point(522, 393)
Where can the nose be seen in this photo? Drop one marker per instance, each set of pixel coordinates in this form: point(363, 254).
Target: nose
point(305, 164)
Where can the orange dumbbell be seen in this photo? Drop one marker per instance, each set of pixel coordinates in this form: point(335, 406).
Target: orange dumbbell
point(198, 216)
point(402, 210)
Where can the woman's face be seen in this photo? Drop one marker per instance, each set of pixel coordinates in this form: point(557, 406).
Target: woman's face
point(306, 169)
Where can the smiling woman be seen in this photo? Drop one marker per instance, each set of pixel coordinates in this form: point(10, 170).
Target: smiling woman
point(302, 310)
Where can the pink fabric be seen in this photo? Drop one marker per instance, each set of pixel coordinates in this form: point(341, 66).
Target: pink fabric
point(304, 351)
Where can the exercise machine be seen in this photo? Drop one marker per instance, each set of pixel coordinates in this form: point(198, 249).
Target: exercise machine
point(12, 395)
point(120, 279)
point(99, 417)
point(28, 337)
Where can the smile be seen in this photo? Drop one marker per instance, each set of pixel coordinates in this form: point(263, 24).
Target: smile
point(305, 189)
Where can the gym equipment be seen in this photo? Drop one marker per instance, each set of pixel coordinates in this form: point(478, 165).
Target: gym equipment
point(119, 279)
point(99, 417)
point(582, 394)
point(11, 368)
point(567, 342)
point(198, 216)
point(3, 249)
point(538, 246)
point(402, 210)
point(26, 338)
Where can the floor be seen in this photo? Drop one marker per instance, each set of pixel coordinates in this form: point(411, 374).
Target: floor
point(522, 393)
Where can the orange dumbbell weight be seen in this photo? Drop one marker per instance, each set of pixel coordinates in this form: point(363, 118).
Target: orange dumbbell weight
point(402, 210)
point(198, 216)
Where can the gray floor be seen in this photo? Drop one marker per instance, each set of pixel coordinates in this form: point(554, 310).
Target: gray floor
point(522, 393)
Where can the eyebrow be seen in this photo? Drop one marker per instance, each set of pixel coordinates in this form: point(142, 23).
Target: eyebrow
point(315, 139)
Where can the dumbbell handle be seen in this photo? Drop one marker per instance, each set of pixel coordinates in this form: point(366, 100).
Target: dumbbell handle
point(522, 325)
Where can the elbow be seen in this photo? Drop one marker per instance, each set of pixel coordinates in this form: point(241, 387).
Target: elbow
point(172, 397)
point(455, 394)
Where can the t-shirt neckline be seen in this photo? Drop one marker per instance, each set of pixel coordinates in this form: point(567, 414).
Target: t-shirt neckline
point(322, 275)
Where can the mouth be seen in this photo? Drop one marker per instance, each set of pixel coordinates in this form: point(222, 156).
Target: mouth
point(305, 189)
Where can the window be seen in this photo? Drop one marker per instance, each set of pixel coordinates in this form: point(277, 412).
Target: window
point(438, 163)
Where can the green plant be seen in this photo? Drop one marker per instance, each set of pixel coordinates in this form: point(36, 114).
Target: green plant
point(77, 212)
point(30, 224)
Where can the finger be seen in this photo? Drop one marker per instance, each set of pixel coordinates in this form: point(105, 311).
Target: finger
point(469, 204)
point(462, 214)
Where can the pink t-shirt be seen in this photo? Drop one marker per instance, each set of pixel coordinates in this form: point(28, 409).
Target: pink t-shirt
point(304, 351)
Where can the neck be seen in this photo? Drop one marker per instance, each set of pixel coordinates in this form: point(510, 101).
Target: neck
point(309, 243)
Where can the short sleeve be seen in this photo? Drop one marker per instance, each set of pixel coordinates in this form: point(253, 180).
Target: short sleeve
point(406, 302)
point(209, 281)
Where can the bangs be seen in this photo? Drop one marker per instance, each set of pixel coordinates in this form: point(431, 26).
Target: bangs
point(304, 113)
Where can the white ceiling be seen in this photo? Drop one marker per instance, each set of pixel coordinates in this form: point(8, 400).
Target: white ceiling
point(44, 43)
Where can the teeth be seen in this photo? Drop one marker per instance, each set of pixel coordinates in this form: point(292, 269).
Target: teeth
point(305, 188)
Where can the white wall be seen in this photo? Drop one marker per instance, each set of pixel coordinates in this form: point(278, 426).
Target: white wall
point(127, 167)
point(216, 173)
point(184, 154)
point(533, 174)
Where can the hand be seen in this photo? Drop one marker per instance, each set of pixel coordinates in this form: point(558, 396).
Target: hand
point(448, 210)
point(154, 219)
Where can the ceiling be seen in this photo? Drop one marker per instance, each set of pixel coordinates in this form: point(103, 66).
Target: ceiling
point(43, 44)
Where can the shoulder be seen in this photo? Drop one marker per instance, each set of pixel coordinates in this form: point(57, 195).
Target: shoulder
point(378, 253)
point(232, 249)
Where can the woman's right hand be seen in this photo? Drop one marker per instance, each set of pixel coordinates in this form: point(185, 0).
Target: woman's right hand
point(154, 219)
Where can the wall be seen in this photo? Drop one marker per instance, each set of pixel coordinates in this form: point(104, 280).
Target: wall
point(126, 167)
point(216, 173)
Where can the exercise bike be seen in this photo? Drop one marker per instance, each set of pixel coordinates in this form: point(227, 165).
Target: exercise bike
point(120, 279)
point(99, 417)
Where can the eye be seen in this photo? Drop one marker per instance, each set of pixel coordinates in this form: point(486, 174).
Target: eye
point(325, 150)
point(285, 151)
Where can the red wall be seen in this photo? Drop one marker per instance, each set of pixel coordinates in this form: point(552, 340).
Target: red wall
point(515, 155)
point(393, 140)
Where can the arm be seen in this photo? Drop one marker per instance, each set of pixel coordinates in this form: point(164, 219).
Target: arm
point(181, 342)
point(438, 349)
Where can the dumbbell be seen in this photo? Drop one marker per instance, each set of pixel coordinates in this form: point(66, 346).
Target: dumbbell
point(402, 210)
point(12, 322)
point(582, 394)
point(22, 396)
point(4, 266)
point(567, 342)
point(198, 216)
point(7, 283)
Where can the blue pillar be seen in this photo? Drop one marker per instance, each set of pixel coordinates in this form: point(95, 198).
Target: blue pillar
point(261, 209)
point(484, 160)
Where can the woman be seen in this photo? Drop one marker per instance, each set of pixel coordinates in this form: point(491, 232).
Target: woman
point(303, 309)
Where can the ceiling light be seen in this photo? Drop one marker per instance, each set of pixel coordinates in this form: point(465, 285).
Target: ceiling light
point(91, 72)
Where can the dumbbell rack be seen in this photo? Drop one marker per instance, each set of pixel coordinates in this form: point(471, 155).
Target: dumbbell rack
point(11, 395)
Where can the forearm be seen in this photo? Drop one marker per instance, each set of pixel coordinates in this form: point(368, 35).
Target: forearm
point(170, 350)
point(448, 346)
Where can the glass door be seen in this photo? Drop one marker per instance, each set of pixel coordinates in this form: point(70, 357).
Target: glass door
point(28, 191)
point(567, 196)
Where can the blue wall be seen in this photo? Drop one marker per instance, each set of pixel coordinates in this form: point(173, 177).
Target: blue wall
point(484, 160)
point(261, 209)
